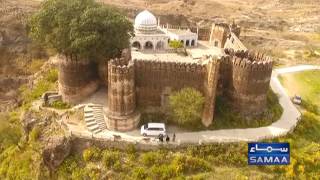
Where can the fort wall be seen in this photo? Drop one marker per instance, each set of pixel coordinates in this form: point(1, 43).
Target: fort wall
point(210, 89)
point(251, 73)
point(155, 80)
point(121, 113)
point(225, 75)
point(78, 79)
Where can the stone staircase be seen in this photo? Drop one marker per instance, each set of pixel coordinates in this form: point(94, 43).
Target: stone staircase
point(94, 118)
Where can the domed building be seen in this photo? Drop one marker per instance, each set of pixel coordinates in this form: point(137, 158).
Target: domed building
point(150, 36)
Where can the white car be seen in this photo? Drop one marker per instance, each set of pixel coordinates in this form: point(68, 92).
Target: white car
point(153, 129)
point(297, 100)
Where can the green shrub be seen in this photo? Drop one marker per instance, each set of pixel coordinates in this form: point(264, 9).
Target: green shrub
point(131, 149)
point(175, 44)
point(110, 158)
point(309, 106)
point(60, 105)
point(151, 158)
point(10, 130)
point(117, 166)
point(139, 173)
point(91, 154)
point(163, 172)
point(188, 164)
point(52, 75)
point(70, 166)
point(274, 108)
point(41, 87)
point(225, 117)
point(186, 107)
point(44, 84)
point(18, 163)
point(35, 133)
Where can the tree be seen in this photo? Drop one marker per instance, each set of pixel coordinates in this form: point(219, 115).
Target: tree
point(175, 44)
point(81, 29)
point(186, 106)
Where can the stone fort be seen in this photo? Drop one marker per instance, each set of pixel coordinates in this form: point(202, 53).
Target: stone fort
point(215, 62)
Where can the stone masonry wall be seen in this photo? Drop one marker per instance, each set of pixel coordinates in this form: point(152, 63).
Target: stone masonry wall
point(210, 89)
point(251, 74)
point(77, 79)
point(203, 33)
point(155, 79)
point(121, 95)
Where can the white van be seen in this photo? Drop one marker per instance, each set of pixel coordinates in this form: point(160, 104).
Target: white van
point(153, 129)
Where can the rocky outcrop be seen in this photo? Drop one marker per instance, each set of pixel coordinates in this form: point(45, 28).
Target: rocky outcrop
point(55, 151)
point(28, 122)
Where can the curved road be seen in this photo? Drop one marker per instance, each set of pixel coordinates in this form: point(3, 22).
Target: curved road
point(285, 124)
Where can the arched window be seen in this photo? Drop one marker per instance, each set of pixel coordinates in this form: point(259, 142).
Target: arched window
point(136, 44)
point(192, 42)
point(187, 43)
point(148, 45)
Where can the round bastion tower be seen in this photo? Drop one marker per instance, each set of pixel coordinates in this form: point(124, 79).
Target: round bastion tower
point(121, 113)
point(78, 78)
point(250, 78)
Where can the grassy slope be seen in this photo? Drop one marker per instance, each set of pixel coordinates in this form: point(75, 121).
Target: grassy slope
point(306, 84)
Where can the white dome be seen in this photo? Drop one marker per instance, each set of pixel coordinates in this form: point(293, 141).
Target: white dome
point(145, 21)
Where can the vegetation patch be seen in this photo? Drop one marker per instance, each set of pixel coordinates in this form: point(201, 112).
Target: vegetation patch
point(186, 107)
point(224, 117)
point(46, 83)
point(80, 29)
point(305, 84)
point(119, 164)
point(60, 105)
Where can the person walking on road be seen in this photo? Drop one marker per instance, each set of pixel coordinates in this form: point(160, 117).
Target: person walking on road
point(161, 137)
point(174, 137)
point(167, 139)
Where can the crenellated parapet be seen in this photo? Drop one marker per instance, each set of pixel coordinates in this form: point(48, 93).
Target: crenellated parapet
point(251, 74)
point(121, 95)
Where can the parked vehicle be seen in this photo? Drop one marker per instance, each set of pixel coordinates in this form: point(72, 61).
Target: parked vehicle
point(153, 129)
point(297, 99)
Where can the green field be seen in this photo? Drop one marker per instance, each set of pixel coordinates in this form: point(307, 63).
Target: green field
point(306, 84)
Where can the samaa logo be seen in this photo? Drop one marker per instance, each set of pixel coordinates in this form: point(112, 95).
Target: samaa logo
point(268, 153)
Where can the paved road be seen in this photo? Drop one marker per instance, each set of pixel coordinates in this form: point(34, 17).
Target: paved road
point(285, 124)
